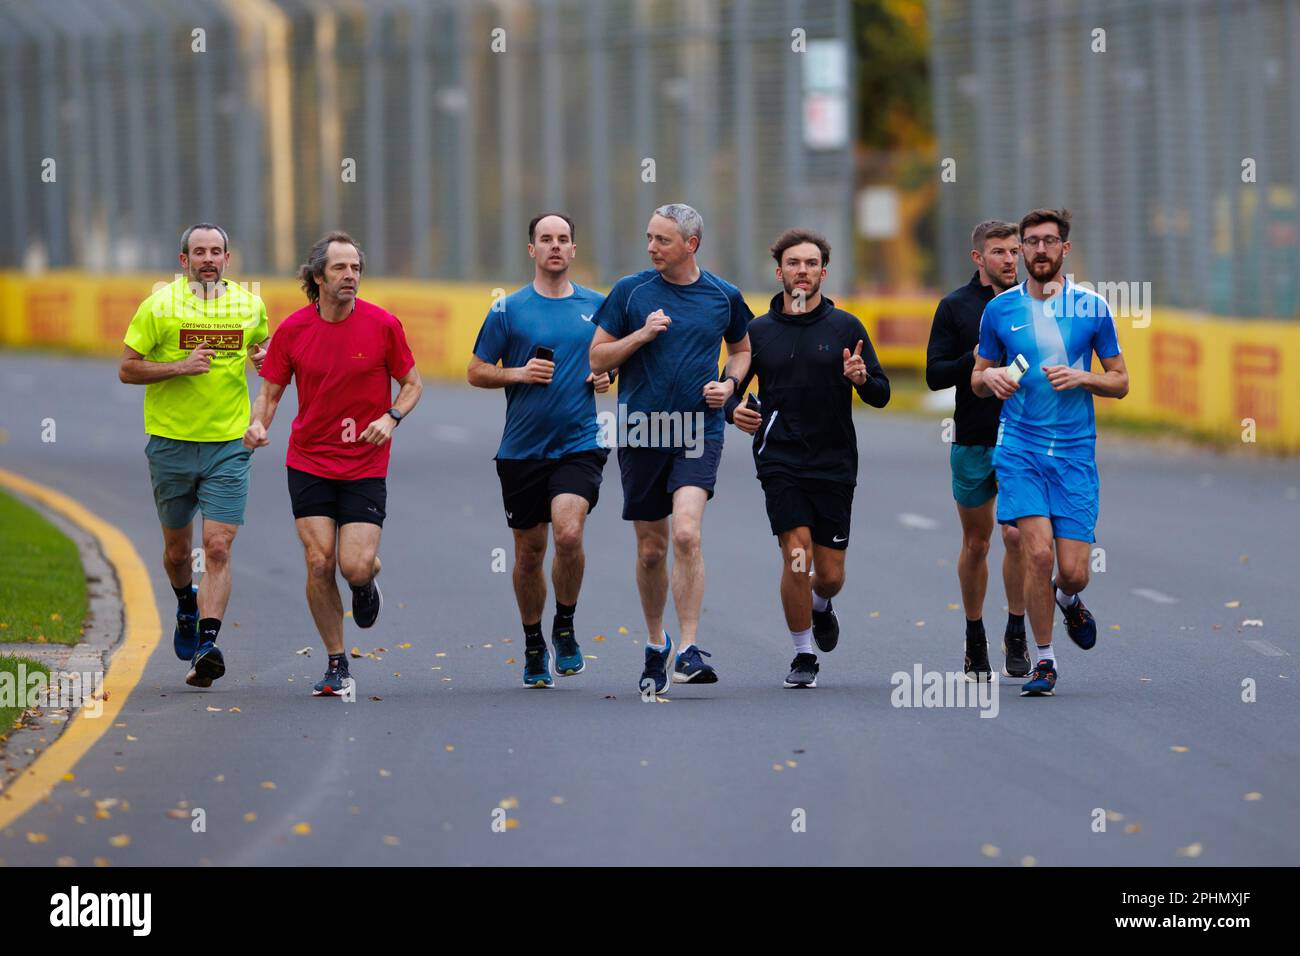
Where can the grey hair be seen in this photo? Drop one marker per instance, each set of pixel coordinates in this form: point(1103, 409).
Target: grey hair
point(689, 221)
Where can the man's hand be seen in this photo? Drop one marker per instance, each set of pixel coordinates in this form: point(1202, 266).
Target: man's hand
point(855, 368)
point(999, 382)
point(1063, 377)
point(747, 419)
point(380, 430)
point(197, 362)
point(655, 323)
point(536, 372)
point(257, 355)
point(599, 382)
point(255, 436)
point(717, 393)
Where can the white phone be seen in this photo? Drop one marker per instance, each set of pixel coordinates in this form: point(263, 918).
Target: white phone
point(1017, 368)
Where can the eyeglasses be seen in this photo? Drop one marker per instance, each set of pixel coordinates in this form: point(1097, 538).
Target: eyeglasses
point(1049, 242)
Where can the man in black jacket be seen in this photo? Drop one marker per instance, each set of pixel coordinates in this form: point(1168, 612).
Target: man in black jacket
point(809, 358)
point(995, 248)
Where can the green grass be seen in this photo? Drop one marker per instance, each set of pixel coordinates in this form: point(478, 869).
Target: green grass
point(42, 584)
point(9, 665)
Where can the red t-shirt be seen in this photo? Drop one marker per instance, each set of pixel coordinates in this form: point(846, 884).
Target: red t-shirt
point(344, 372)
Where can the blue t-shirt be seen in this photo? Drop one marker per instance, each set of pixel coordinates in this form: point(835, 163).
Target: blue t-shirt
point(670, 373)
point(1063, 330)
point(545, 421)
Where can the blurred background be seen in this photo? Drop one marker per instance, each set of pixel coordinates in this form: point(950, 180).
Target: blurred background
point(433, 131)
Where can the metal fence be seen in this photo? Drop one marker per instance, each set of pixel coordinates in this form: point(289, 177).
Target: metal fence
point(420, 129)
point(1177, 146)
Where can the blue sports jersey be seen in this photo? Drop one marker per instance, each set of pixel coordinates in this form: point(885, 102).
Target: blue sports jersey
point(669, 374)
point(545, 421)
point(1063, 330)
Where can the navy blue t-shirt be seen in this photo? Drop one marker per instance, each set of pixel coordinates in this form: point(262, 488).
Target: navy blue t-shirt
point(545, 421)
point(670, 373)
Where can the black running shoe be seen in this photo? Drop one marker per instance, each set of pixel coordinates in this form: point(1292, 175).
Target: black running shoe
point(803, 671)
point(977, 665)
point(1017, 665)
point(1080, 625)
point(335, 681)
point(826, 629)
point(207, 666)
point(366, 603)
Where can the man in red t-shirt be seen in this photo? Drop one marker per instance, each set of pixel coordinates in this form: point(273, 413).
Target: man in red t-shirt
point(343, 351)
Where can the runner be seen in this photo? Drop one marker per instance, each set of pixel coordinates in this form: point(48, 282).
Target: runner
point(1045, 458)
point(550, 460)
point(809, 357)
point(188, 344)
point(995, 250)
point(343, 351)
point(664, 328)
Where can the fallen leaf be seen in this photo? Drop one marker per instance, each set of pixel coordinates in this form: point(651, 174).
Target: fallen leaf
point(590, 657)
point(953, 607)
point(56, 616)
point(610, 697)
point(1028, 861)
point(129, 737)
point(989, 850)
point(777, 767)
point(599, 637)
point(178, 814)
point(1232, 604)
point(235, 710)
point(65, 861)
point(920, 623)
point(1145, 680)
point(449, 748)
point(106, 804)
point(874, 614)
point(1252, 622)
point(487, 645)
point(385, 773)
point(392, 841)
point(69, 776)
point(120, 840)
point(512, 823)
point(302, 829)
point(405, 646)
point(214, 710)
point(373, 697)
point(37, 838)
point(440, 654)
point(268, 785)
point(558, 801)
point(102, 861)
point(1113, 816)
point(509, 803)
point(1178, 749)
point(622, 630)
point(250, 817)
point(219, 778)
point(1192, 850)
point(355, 653)
point(1114, 627)
point(1253, 795)
point(511, 660)
point(1133, 828)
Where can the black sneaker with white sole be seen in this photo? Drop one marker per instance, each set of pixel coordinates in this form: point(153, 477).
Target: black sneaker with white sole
point(366, 603)
point(826, 629)
point(1018, 663)
point(977, 665)
point(803, 671)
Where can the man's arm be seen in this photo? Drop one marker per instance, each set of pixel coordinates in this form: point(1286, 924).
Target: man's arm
point(263, 413)
point(380, 430)
point(946, 361)
point(988, 379)
point(137, 370)
point(716, 394)
point(483, 374)
point(608, 352)
point(1112, 383)
point(875, 390)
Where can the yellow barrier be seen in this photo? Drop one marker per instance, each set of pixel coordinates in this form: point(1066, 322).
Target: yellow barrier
point(1229, 379)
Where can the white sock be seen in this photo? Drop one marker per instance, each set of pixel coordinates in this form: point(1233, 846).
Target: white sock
point(1045, 653)
point(663, 639)
point(1064, 600)
point(802, 641)
point(820, 603)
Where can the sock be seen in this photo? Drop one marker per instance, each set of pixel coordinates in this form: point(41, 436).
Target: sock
point(533, 635)
point(1015, 624)
point(975, 630)
point(1045, 653)
point(208, 628)
point(338, 660)
point(802, 641)
point(1064, 600)
point(564, 613)
point(820, 603)
point(187, 601)
point(658, 645)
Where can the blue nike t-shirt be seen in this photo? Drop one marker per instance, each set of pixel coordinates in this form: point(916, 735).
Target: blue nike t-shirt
point(669, 374)
point(545, 421)
point(1063, 330)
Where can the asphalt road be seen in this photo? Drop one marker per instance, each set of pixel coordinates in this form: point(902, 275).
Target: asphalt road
point(592, 775)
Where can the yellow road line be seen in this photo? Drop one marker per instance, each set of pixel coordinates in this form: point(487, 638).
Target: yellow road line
point(142, 633)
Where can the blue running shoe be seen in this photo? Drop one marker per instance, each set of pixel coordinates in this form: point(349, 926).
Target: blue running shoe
point(655, 673)
point(185, 639)
point(335, 681)
point(691, 668)
point(537, 667)
point(568, 655)
point(1042, 682)
point(1080, 625)
point(207, 666)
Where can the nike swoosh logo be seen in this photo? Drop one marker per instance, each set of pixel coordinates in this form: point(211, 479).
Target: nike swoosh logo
point(1017, 328)
point(839, 540)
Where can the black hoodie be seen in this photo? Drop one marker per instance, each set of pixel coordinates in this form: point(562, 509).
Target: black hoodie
point(807, 403)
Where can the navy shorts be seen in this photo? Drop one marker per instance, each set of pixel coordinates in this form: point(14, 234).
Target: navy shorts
point(651, 475)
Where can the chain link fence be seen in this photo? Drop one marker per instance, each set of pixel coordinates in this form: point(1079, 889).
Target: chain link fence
point(433, 131)
point(1170, 128)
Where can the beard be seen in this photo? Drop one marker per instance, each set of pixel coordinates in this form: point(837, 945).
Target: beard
point(1045, 269)
point(794, 293)
point(197, 276)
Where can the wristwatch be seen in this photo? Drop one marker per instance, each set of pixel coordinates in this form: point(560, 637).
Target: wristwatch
point(735, 387)
point(395, 415)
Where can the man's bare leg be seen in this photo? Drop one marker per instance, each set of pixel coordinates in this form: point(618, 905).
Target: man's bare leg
point(652, 576)
point(318, 535)
point(688, 561)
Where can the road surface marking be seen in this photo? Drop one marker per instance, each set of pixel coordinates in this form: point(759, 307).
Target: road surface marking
point(1267, 649)
point(909, 520)
point(1156, 596)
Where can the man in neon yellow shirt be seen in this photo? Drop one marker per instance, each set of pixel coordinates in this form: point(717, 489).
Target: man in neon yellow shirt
point(188, 344)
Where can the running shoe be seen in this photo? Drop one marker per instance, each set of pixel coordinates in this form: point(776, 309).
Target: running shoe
point(335, 681)
point(366, 603)
point(1080, 625)
point(977, 665)
point(1042, 682)
point(826, 629)
point(568, 655)
point(537, 667)
point(803, 671)
point(691, 668)
point(655, 674)
point(206, 666)
point(1018, 663)
point(185, 639)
